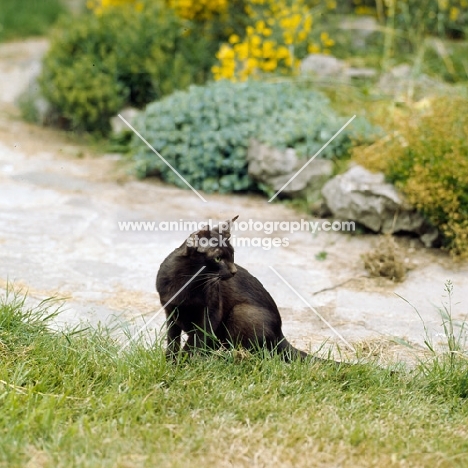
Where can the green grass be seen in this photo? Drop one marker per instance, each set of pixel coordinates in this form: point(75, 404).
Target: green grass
point(68, 399)
point(22, 18)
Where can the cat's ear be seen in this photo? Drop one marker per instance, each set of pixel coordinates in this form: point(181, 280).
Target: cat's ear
point(193, 241)
point(224, 228)
point(203, 232)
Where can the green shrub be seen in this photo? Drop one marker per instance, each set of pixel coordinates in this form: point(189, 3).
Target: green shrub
point(428, 160)
point(451, 65)
point(100, 63)
point(27, 17)
point(437, 17)
point(204, 132)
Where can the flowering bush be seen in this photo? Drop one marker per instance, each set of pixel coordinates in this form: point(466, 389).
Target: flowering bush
point(201, 10)
point(278, 36)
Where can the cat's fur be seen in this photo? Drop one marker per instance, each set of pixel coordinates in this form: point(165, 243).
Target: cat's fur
point(223, 305)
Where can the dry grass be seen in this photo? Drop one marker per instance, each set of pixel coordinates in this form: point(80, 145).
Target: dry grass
point(386, 260)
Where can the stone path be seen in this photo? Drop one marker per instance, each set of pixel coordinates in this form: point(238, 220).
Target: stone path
point(60, 206)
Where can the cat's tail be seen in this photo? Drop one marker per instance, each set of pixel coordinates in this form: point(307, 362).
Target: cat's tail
point(289, 353)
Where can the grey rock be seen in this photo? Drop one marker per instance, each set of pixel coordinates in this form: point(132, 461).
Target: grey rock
point(129, 114)
point(27, 93)
point(400, 81)
point(313, 175)
point(365, 197)
point(276, 167)
point(34, 106)
point(327, 66)
point(20, 65)
point(266, 162)
point(324, 66)
point(353, 72)
point(362, 27)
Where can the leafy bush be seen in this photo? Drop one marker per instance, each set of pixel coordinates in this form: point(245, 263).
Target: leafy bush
point(427, 159)
point(438, 17)
point(450, 63)
point(435, 17)
point(205, 131)
point(100, 63)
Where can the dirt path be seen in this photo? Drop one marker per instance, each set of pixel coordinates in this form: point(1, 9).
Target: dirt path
point(59, 235)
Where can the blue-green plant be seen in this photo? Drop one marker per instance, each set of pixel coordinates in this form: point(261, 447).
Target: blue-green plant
point(204, 132)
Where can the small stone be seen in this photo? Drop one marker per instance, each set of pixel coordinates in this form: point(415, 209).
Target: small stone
point(129, 114)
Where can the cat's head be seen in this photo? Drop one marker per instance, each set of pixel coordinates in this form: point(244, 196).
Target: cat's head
point(211, 248)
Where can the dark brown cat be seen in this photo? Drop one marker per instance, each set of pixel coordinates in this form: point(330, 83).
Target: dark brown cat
point(223, 305)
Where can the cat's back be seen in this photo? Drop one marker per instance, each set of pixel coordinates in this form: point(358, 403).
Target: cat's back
point(246, 288)
point(169, 277)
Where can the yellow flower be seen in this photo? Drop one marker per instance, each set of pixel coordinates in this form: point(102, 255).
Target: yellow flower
point(256, 40)
point(234, 39)
point(242, 50)
point(269, 65)
point(282, 52)
point(443, 4)
point(295, 20)
point(255, 52)
point(269, 45)
point(225, 52)
point(288, 38)
point(285, 23)
point(260, 26)
point(454, 13)
point(252, 63)
point(313, 49)
point(100, 5)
